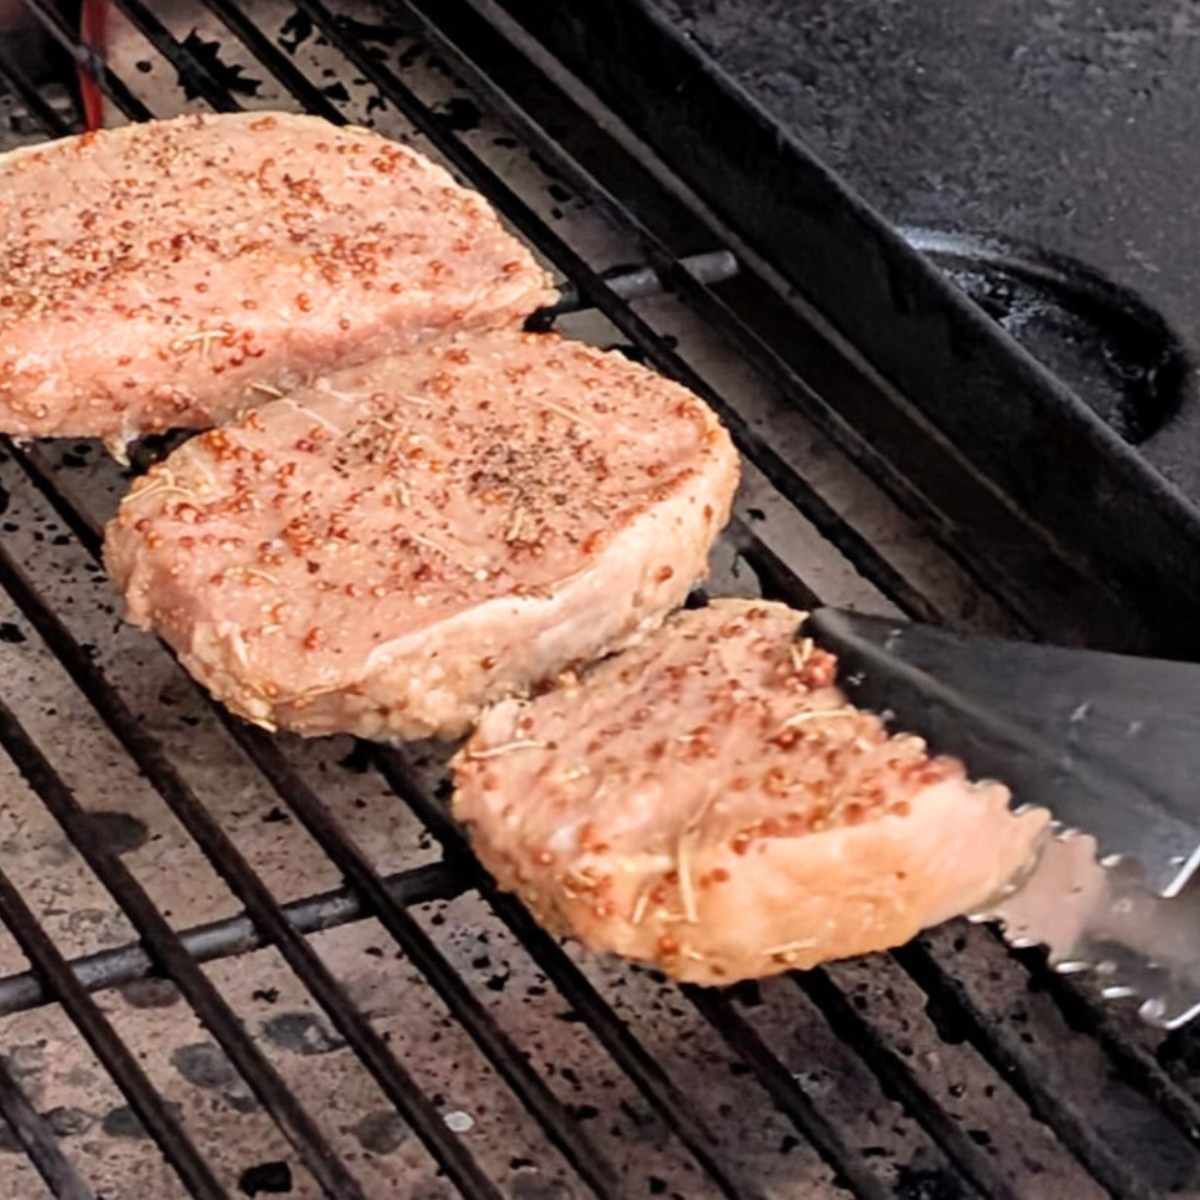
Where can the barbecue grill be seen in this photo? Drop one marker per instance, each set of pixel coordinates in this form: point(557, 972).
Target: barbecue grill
point(245, 965)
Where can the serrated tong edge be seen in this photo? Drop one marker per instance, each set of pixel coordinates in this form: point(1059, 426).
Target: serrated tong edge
point(1096, 917)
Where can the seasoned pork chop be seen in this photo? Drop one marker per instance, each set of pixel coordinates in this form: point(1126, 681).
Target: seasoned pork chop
point(386, 551)
point(172, 273)
point(710, 803)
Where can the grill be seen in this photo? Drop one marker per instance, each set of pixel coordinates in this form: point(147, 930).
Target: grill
point(243, 965)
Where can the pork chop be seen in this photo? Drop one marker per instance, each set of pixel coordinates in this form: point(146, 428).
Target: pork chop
point(710, 803)
point(172, 273)
point(386, 551)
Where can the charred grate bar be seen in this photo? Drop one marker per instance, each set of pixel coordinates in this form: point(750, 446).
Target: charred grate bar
point(164, 952)
point(234, 935)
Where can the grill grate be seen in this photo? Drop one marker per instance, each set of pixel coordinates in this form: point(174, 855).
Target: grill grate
point(930, 969)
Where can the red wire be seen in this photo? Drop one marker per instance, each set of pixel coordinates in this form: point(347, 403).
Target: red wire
point(93, 28)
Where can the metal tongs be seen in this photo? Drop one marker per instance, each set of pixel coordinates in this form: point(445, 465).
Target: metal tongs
point(1109, 744)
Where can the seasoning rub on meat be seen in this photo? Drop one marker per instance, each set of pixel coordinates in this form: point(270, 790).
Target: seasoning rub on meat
point(172, 273)
point(388, 550)
point(709, 802)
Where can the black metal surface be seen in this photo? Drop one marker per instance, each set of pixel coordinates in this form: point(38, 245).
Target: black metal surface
point(176, 955)
point(674, 1107)
point(194, 74)
point(1062, 125)
point(707, 269)
point(1020, 427)
point(1117, 352)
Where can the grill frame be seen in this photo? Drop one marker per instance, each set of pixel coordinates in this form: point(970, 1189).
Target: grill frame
point(1017, 427)
point(177, 956)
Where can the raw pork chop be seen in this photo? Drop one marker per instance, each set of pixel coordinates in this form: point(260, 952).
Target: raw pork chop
point(169, 274)
point(710, 803)
point(390, 549)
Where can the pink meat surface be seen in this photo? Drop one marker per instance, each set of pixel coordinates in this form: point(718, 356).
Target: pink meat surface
point(386, 551)
point(173, 273)
point(709, 802)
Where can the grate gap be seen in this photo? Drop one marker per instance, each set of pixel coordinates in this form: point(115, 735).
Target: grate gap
point(777, 573)
point(767, 362)
point(626, 1051)
point(160, 939)
point(1135, 1065)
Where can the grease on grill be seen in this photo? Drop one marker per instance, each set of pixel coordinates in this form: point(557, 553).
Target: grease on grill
point(302, 1033)
point(381, 1132)
point(118, 832)
point(271, 1178)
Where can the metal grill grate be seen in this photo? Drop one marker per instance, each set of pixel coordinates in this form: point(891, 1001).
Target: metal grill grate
point(906, 1028)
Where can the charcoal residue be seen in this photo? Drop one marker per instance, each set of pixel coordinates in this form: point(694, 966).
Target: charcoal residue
point(205, 1065)
point(295, 31)
point(266, 1179)
point(69, 1122)
point(358, 761)
point(928, 1183)
point(431, 1189)
point(365, 32)
point(150, 993)
point(118, 832)
point(530, 1185)
point(64, 1123)
point(460, 115)
point(227, 75)
point(381, 1132)
point(27, 1064)
point(302, 1033)
point(123, 1122)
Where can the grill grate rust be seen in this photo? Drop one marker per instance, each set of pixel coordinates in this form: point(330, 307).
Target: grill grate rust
point(163, 951)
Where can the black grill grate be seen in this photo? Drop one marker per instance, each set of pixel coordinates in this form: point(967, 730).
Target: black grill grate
point(965, 1165)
